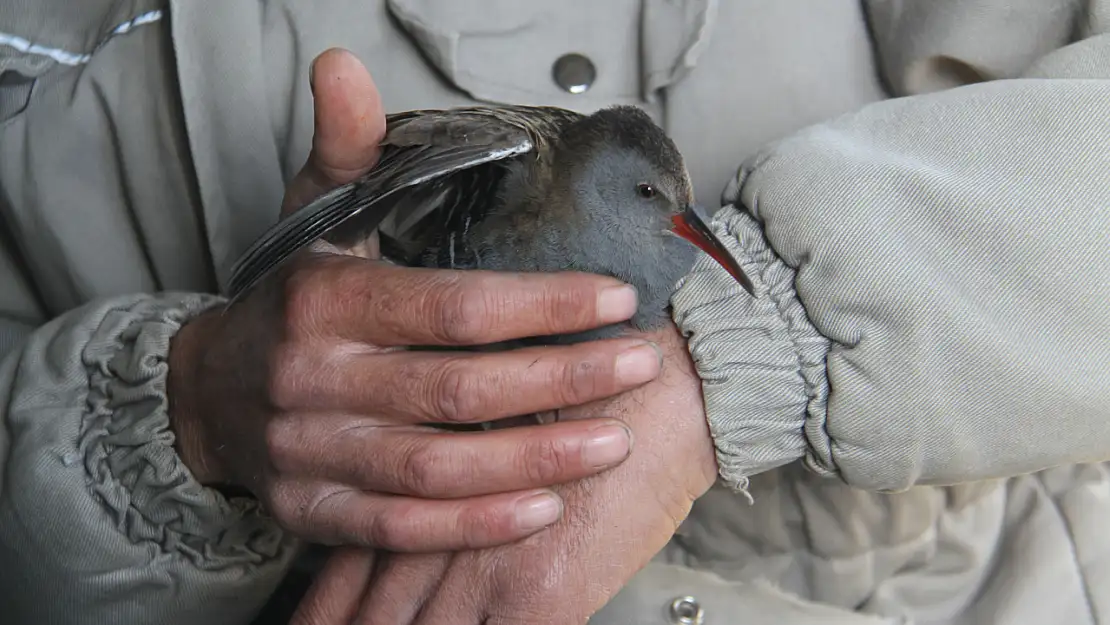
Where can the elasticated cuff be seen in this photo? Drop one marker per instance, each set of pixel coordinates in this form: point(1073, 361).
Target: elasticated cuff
point(97, 509)
point(761, 362)
point(127, 445)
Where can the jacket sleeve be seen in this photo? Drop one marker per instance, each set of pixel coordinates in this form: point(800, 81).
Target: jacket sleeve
point(933, 278)
point(100, 522)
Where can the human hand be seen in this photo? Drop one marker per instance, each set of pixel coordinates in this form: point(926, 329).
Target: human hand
point(613, 524)
point(304, 394)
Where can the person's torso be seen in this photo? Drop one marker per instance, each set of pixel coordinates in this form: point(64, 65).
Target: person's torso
point(145, 143)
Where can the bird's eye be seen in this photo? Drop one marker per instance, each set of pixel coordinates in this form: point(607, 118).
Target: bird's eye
point(645, 191)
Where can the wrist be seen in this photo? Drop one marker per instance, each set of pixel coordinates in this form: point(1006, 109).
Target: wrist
point(183, 388)
point(680, 372)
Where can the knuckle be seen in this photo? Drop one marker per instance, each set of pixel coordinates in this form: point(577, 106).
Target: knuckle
point(420, 469)
point(284, 501)
point(455, 394)
point(388, 531)
point(302, 298)
point(581, 381)
point(320, 514)
point(564, 307)
point(317, 289)
point(462, 315)
point(286, 379)
point(480, 527)
point(310, 514)
point(282, 439)
point(545, 463)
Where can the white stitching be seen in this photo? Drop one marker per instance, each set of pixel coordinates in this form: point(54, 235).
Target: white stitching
point(74, 59)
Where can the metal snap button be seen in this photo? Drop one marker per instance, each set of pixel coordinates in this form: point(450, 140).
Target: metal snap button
point(574, 73)
point(686, 611)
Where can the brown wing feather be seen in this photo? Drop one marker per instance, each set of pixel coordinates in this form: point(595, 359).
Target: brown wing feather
point(422, 149)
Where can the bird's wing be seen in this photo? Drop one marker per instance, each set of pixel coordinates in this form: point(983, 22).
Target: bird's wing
point(432, 213)
point(421, 150)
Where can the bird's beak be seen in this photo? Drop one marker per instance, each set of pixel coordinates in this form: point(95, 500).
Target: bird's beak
point(692, 224)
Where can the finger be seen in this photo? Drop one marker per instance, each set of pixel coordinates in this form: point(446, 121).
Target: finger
point(388, 305)
point(427, 463)
point(334, 597)
point(402, 587)
point(462, 596)
point(349, 124)
point(428, 387)
point(333, 514)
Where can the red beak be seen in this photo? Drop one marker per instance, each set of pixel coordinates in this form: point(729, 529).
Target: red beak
point(693, 225)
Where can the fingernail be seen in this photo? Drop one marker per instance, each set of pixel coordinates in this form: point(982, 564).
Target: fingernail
point(538, 511)
point(607, 446)
point(616, 303)
point(312, 78)
point(640, 364)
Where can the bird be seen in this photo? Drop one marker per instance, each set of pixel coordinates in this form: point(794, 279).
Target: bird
point(517, 188)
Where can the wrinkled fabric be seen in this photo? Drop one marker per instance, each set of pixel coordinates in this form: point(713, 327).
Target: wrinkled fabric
point(909, 416)
point(951, 249)
point(939, 316)
point(89, 468)
point(1028, 550)
point(931, 46)
point(763, 380)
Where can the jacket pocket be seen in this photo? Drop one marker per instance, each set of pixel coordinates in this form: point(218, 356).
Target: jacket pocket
point(512, 51)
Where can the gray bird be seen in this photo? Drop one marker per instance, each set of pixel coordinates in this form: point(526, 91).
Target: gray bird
point(517, 188)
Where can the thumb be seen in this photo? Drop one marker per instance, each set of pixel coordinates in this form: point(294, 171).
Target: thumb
point(349, 123)
point(335, 596)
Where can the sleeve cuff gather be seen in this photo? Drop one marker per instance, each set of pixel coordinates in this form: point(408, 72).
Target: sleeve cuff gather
point(88, 411)
point(96, 507)
point(761, 361)
point(127, 445)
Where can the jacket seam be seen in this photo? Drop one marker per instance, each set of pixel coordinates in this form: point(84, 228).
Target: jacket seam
point(75, 59)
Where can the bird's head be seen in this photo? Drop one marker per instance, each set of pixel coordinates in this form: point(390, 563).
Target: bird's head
point(624, 171)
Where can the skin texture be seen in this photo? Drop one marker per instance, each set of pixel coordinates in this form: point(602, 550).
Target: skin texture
point(303, 392)
point(613, 523)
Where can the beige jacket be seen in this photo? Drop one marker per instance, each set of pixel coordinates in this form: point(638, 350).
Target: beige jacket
point(919, 394)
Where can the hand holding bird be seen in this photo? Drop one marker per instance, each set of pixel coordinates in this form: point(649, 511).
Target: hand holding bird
point(515, 188)
point(613, 525)
point(613, 522)
point(303, 394)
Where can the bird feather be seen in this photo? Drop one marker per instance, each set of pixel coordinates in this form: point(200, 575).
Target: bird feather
point(434, 165)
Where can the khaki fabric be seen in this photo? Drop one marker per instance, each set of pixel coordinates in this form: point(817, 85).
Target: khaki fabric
point(916, 402)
